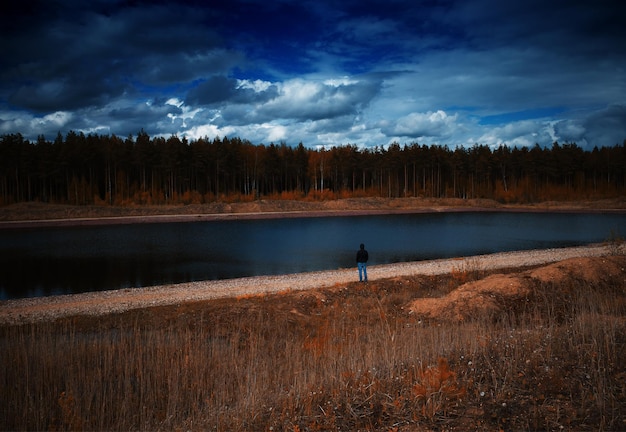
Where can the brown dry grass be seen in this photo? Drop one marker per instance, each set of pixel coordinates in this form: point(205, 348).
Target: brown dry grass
point(527, 349)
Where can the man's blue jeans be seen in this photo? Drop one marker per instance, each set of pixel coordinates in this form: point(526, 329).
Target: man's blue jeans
point(362, 271)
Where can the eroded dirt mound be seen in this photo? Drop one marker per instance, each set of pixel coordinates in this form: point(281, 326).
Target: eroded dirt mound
point(592, 270)
point(496, 294)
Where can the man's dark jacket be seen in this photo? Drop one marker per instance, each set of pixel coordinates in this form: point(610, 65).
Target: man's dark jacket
point(361, 256)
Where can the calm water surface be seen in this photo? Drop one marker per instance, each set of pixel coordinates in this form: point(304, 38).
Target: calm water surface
point(38, 262)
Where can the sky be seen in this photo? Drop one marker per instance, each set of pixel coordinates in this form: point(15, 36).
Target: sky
point(321, 72)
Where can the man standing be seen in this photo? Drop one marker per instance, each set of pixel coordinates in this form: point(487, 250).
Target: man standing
point(361, 263)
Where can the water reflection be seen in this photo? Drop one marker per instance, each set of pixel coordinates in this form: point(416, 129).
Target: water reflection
point(48, 261)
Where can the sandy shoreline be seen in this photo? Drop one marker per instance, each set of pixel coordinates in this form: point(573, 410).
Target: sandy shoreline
point(27, 310)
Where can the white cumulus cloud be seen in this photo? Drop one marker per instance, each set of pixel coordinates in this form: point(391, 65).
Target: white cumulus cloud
point(418, 125)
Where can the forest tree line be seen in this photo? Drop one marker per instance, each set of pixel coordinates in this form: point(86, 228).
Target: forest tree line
point(108, 170)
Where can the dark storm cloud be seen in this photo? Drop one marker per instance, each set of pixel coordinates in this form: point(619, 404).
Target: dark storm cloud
point(214, 90)
point(607, 126)
point(83, 58)
point(576, 27)
point(221, 89)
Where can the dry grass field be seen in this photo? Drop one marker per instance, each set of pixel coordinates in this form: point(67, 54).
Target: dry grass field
point(532, 349)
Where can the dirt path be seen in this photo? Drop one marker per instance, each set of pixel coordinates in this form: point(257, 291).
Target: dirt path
point(35, 215)
point(105, 302)
point(205, 217)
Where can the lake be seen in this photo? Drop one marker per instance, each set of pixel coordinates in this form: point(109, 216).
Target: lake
point(47, 261)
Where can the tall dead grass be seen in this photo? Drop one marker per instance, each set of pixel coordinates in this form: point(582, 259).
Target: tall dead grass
point(347, 358)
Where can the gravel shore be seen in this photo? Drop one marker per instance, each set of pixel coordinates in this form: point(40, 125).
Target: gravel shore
point(105, 302)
